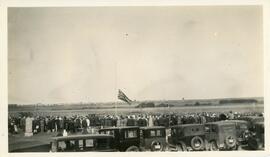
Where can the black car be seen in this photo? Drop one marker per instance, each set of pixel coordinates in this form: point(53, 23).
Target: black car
point(81, 143)
point(125, 138)
point(221, 135)
point(242, 130)
point(188, 137)
point(256, 140)
point(153, 138)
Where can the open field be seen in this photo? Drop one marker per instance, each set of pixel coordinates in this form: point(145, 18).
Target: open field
point(184, 109)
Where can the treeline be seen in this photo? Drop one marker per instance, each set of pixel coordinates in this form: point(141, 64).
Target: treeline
point(200, 104)
point(233, 101)
point(152, 104)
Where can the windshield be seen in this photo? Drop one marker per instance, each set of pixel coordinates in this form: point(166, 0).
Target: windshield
point(83, 145)
point(228, 129)
point(108, 132)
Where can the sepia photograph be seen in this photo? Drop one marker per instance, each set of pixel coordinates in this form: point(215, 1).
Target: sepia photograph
point(135, 79)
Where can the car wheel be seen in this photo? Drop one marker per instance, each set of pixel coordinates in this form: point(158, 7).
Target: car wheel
point(230, 141)
point(197, 143)
point(213, 146)
point(246, 134)
point(253, 143)
point(132, 149)
point(235, 147)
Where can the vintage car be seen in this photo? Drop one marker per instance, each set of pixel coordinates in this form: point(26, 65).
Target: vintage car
point(242, 130)
point(256, 140)
point(153, 138)
point(221, 135)
point(125, 138)
point(187, 137)
point(80, 143)
point(252, 120)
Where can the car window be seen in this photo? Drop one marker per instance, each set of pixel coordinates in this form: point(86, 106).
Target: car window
point(207, 129)
point(102, 143)
point(228, 128)
point(72, 142)
point(89, 143)
point(155, 133)
point(70, 145)
point(158, 133)
point(259, 129)
point(130, 133)
point(195, 129)
point(242, 126)
point(152, 133)
point(213, 129)
point(81, 144)
point(108, 132)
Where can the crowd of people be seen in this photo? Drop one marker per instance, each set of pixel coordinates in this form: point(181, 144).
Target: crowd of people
point(77, 123)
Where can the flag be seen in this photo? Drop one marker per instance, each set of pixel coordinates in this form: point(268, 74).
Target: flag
point(122, 96)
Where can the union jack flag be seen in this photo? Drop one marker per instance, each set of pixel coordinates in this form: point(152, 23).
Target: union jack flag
point(122, 96)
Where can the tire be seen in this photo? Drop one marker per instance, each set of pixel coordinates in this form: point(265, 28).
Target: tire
point(197, 143)
point(213, 146)
point(254, 144)
point(154, 144)
point(132, 149)
point(235, 147)
point(230, 141)
point(246, 136)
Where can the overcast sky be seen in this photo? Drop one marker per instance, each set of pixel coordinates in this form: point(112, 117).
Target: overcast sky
point(151, 53)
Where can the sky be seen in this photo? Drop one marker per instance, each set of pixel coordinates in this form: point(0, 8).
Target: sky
point(85, 54)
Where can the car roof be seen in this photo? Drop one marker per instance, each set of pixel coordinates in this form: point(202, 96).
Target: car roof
point(186, 125)
point(122, 127)
point(152, 127)
point(234, 120)
point(221, 123)
point(71, 137)
point(259, 123)
point(253, 117)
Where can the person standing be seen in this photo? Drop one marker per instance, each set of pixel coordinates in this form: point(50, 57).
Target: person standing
point(22, 123)
point(42, 124)
point(87, 122)
point(150, 121)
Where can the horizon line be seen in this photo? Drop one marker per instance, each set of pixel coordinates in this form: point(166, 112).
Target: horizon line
point(105, 102)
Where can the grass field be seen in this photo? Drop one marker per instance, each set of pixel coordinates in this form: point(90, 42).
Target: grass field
point(131, 110)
